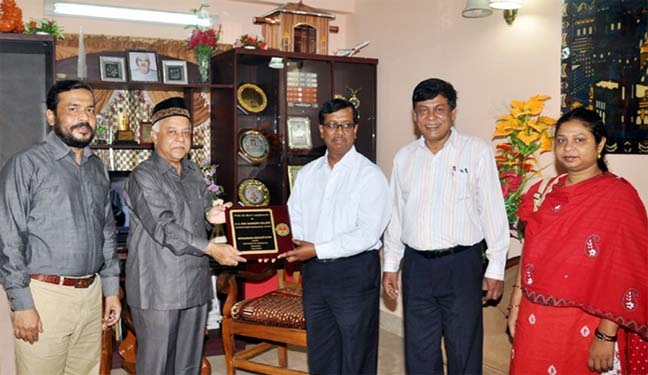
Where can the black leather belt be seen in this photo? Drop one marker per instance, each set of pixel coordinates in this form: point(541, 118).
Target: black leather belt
point(318, 260)
point(432, 254)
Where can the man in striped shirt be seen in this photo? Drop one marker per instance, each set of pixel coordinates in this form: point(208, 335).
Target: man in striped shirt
point(447, 206)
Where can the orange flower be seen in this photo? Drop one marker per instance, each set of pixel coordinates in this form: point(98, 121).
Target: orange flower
point(525, 133)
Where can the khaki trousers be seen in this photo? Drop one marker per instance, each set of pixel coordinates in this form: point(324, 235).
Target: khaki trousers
point(7, 356)
point(70, 343)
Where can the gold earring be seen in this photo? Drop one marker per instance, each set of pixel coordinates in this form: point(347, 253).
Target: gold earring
point(599, 155)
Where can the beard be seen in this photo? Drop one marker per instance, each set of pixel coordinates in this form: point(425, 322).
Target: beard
point(69, 139)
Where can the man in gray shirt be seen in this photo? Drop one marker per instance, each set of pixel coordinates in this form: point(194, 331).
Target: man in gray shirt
point(57, 241)
point(168, 281)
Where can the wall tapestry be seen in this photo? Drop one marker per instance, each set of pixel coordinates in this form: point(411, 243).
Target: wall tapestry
point(605, 67)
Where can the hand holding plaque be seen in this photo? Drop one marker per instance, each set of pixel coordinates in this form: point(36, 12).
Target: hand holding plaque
point(259, 232)
point(224, 254)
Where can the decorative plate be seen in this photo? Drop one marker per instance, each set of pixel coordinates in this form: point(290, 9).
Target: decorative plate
point(253, 193)
point(254, 146)
point(252, 98)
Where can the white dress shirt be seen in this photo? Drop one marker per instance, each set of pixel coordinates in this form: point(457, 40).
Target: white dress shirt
point(343, 210)
point(447, 199)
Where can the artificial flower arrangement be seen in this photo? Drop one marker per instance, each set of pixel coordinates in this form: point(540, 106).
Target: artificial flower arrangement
point(217, 194)
point(249, 41)
point(10, 17)
point(209, 171)
point(44, 26)
point(203, 40)
point(525, 134)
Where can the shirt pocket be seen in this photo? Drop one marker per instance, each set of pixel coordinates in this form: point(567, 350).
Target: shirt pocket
point(462, 186)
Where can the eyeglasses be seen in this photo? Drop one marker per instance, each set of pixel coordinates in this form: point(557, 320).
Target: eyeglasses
point(332, 126)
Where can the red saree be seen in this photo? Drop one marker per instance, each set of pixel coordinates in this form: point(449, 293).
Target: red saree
point(585, 258)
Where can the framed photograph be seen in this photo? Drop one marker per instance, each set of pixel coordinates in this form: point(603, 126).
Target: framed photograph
point(292, 174)
point(299, 133)
point(142, 66)
point(174, 72)
point(145, 128)
point(112, 68)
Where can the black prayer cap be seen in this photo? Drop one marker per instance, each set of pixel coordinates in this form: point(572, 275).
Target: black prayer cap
point(174, 106)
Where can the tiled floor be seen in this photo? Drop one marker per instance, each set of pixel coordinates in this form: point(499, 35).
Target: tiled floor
point(390, 358)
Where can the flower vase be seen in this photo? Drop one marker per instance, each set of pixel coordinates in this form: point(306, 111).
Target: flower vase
point(202, 59)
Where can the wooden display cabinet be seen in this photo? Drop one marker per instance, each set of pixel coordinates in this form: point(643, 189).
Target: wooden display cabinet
point(26, 74)
point(252, 101)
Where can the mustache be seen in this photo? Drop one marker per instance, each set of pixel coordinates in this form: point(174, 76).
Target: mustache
point(83, 124)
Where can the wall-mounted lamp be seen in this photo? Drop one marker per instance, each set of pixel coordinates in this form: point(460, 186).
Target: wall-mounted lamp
point(477, 9)
point(124, 14)
point(483, 8)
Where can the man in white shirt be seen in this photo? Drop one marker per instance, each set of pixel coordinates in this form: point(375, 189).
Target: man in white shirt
point(447, 201)
point(339, 207)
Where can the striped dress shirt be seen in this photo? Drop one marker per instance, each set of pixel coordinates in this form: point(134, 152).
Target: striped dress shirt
point(447, 199)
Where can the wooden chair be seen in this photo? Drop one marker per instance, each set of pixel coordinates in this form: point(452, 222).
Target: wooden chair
point(276, 319)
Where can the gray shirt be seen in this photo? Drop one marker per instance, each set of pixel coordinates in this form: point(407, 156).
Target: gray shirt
point(167, 268)
point(56, 219)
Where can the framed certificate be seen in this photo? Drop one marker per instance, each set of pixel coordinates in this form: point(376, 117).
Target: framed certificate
point(253, 193)
point(262, 232)
point(299, 133)
point(253, 146)
point(292, 174)
point(145, 133)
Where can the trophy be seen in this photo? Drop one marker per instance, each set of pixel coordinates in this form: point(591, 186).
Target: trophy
point(124, 134)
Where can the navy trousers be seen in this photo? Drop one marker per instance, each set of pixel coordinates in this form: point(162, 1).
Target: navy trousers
point(341, 310)
point(442, 298)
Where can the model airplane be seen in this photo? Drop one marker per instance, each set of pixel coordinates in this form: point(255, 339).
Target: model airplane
point(348, 52)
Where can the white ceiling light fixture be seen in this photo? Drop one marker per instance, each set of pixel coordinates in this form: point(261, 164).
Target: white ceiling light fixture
point(477, 9)
point(124, 14)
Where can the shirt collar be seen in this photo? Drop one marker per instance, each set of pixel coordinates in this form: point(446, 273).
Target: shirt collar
point(346, 160)
point(451, 142)
point(164, 166)
point(60, 150)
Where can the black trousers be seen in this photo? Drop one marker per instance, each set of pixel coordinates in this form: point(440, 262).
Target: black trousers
point(341, 310)
point(442, 297)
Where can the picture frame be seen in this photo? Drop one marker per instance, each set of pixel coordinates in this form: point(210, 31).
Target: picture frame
point(174, 72)
point(145, 128)
point(292, 174)
point(299, 133)
point(112, 68)
point(142, 66)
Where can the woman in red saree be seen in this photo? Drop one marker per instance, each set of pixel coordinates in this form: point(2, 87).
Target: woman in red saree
point(583, 281)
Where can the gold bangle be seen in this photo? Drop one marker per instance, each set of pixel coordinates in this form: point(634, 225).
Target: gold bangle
point(516, 286)
point(510, 307)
